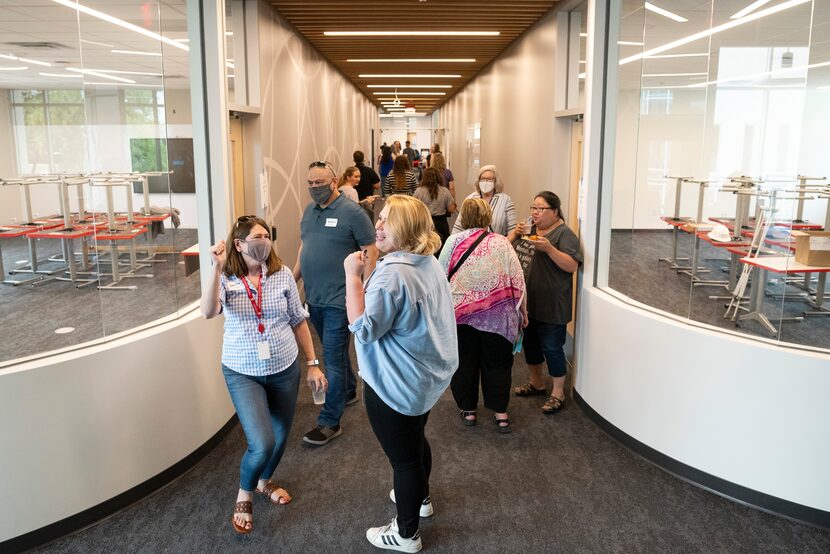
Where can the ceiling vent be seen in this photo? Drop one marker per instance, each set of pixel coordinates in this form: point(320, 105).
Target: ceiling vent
point(38, 44)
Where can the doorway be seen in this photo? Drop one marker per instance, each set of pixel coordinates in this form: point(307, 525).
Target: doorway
point(237, 165)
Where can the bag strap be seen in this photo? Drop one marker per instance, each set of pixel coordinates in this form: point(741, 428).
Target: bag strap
point(467, 254)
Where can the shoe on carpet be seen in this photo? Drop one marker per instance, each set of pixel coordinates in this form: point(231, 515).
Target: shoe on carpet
point(528, 390)
point(553, 405)
point(388, 538)
point(426, 505)
point(321, 435)
point(351, 400)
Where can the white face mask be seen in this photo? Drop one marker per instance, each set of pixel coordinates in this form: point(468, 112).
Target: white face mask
point(486, 186)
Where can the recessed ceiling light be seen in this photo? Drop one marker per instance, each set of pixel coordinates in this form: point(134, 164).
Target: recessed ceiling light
point(97, 74)
point(17, 68)
point(61, 75)
point(412, 60)
point(714, 30)
point(665, 13)
point(406, 76)
point(64, 330)
point(408, 86)
point(411, 33)
point(120, 22)
point(749, 9)
point(412, 93)
point(136, 53)
point(583, 34)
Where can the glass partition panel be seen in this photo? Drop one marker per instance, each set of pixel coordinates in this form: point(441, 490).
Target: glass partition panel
point(719, 165)
point(98, 190)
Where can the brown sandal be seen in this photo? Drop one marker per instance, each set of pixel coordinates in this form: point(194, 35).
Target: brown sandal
point(528, 390)
point(268, 492)
point(245, 507)
point(553, 405)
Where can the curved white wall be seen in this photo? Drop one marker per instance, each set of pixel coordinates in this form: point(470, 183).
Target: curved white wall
point(79, 428)
point(751, 413)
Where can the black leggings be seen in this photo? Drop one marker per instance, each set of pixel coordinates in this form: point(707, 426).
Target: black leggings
point(403, 441)
point(485, 356)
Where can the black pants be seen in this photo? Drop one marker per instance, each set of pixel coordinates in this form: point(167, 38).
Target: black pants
point(403, 441)
point(442, 227)
point(487, 356)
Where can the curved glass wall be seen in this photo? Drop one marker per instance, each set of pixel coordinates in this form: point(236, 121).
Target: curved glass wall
point(720, 180)
point(97, 193)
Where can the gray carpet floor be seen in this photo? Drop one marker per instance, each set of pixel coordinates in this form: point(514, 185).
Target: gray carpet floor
point(30, 315)
point(556, 484)
point(636, 272)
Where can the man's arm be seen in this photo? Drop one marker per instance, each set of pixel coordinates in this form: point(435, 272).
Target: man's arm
point(298, 273)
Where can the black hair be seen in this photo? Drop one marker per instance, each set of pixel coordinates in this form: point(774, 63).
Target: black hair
point(358, 157)
point(553, 201)
point(386, 153)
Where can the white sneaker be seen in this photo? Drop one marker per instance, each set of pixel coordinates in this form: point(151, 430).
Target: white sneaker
point(389, 538)
point(426, 505)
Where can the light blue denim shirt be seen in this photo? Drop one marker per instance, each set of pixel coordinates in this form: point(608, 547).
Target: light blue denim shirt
point(406, 338)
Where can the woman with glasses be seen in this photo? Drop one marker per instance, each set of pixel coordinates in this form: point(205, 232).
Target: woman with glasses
point(487, 293)
point(550, 254)
point(264, 323)
point(491, 189)
point(404, 329)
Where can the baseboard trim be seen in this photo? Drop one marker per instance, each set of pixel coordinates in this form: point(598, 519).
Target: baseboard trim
point(95, 514)
point(736, 493)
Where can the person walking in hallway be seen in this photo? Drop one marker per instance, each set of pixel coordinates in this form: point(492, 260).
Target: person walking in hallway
point(404, 328)
point(332, 227)
point(264, 322)
point(550, 254)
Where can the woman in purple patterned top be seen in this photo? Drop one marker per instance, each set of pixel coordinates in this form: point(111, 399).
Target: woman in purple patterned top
point(488, 292)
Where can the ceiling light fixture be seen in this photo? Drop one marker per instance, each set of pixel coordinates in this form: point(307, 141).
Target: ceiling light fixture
point(119, 72)
point(121, 23)
point(749, 9)
point(665, 13)
point(413, 93)
point(135, 53)
point(412, 60)
point(673, 74)
point(629, 43)
point(19, 68)
point(411, 33)
point(98, 43)
point(71, 76)
point(139, 85)
point(706, 54)
point(714, 30)
point(406, 76)
point(408, 86)
point(97, 74)
point(762, 74)
point(25, 60)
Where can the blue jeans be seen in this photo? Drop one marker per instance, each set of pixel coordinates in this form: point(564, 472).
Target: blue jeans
point(546, 342)
point(265, 406)
point(332, 327)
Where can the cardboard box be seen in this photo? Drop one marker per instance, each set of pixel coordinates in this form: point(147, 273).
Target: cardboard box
point(812, 247)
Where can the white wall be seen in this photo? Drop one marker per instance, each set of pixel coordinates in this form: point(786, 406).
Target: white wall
point(514, 100)
point(82, 427)
point(309, 112)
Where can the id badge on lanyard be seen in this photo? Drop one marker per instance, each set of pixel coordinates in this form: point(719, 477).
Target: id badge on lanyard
point(262, 346)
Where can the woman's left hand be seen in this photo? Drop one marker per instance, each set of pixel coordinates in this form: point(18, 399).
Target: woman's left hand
point(316, 379)
point(353, 264)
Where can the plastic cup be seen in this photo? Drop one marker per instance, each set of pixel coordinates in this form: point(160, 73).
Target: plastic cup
point(318, 395)
point(528, 226)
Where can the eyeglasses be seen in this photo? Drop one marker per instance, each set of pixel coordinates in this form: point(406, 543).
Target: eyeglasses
point(245, 218)
point(537, 209)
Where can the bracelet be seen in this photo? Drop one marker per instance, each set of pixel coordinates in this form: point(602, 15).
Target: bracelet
point(314, 362)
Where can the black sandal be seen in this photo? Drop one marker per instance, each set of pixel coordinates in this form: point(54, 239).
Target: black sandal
point(529, 390)
point(465, 414)
point(553, 405)
point(503, 425)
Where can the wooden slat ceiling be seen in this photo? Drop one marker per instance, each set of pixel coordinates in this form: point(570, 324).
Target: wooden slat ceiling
point(510, 18)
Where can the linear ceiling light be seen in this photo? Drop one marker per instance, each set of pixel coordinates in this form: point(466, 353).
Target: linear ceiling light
point(406, 76)
point(411, 33)
point(749, 9)
point(762, 74)
point(135, 53)
point(678, 55)
point(673, 74)
point(413, 93)
point(71, 76)
point(25, 60)
point(140, 85)
point(105, 45)
point(629, 43)
point(714, 30)
point(121, 23)
point(19, 68)
point(410, 97)
point(97, 74)
point(665, 13)
point(408, 86)
point(412, 60)
point(119, 72)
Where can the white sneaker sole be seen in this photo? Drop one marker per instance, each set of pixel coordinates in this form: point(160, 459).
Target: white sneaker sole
point(426, 509)
point(328, 440)
point(408, 546)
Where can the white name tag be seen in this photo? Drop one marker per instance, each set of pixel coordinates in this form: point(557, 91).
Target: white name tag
point(331, 222)
point(235, 286)
point(263, 350)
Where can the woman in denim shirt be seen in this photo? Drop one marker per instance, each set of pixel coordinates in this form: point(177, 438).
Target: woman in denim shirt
point(404, 327)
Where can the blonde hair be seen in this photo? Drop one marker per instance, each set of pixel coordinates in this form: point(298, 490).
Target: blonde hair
point(438, 162)
point(499, 187)
point(475, 214)
point(410, 224)
point(346, 174)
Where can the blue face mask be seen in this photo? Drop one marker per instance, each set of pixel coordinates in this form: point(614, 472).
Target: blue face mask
point(320, 194)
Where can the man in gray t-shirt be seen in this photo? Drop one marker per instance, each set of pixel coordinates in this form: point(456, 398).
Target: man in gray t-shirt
point(332, 227)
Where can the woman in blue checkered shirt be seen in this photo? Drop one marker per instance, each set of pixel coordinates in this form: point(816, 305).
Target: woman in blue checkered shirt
point(264, 323)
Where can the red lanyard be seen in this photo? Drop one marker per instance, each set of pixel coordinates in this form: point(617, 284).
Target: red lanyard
point(257, 304)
